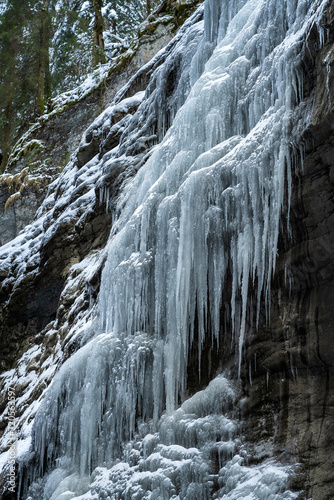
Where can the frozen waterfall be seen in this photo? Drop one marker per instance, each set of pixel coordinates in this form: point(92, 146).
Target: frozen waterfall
point(196, 233)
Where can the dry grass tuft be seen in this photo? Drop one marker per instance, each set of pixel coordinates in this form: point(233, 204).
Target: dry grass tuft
point(19, 182)
point(11, 200)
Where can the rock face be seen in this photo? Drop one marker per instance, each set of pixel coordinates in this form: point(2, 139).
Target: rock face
point(290, 394)
point(287, 375)
point(20, 213)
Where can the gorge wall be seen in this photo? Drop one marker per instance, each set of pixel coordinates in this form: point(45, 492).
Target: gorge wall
point(276, 383)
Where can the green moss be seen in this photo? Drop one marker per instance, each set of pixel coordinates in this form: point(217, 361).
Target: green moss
point(182, 12)
point(30, 150)
point(64, 162)
point(148, 29)
point(66, 158)
point(124, 60)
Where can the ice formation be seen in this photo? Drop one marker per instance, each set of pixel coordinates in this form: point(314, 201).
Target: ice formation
point(195, 230)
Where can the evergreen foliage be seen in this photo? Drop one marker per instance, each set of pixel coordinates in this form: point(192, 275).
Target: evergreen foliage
point(16, 62)
point(48, 46)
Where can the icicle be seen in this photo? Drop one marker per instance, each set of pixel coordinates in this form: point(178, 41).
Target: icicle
point(328, 68)
point(205, 206)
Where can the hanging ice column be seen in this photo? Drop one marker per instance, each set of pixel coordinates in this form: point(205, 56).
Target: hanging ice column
point(205, 206)
point(209, 200)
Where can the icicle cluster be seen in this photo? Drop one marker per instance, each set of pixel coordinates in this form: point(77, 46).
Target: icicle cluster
point(207, 203)
point(202, 212)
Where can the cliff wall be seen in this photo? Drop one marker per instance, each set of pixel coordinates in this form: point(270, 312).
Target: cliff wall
point(290, 393)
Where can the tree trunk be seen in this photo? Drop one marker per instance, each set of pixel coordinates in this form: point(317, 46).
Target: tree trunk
point(7, 129)
point(114, 21)
point(148, 7)
point(44, 80)
point(98, 43)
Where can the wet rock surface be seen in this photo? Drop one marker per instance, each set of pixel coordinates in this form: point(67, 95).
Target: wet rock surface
point(289, 368)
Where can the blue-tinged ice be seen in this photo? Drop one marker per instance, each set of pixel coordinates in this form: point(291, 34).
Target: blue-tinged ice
point(197, 232)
